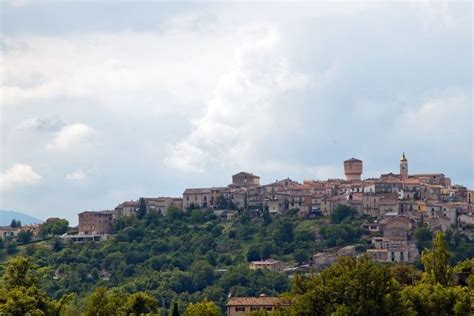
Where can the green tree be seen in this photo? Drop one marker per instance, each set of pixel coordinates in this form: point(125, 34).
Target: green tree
point(24, 236)
point(101, 302)
point(436, 299)
point(20, 293)
point(436, 261)
point(405, 274)
point(341, 213)
point(267, 219)
point(175, 310)
point(140, 303)
point(300, 256)
point(423, 236)
point(355, 286)
point(204, 308)
point(54, 226)
point(15, 223)
point(141, 208)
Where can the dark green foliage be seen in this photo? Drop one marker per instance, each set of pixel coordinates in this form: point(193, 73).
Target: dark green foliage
point(24, 237)
point(175, 311)
point(423, 237)
point(15, 223)
point(141, 208)
point(341, 234)
point(54, 226)
point(341, 213)
point(358, 286)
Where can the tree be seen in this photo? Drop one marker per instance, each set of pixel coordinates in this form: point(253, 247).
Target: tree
point(300, 256)
point(204, 308)
point(20, 293)
point(141, 208)
point(341, 213)
point(253, 253)
point(175, 310)
point(436, 261)
point(436, 299)
point(15, 223)
point(140, 303)
point(405, 274)
point(101, 302)
point(423, 237)
point(267, 219)
point(351, 286)
point(24, 236)
point(54, 226)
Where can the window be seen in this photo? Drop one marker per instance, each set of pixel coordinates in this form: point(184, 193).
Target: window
point(240, 309)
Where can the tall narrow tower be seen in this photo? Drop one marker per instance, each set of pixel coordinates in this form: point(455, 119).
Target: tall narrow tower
point(403, 167)
point(353, 169)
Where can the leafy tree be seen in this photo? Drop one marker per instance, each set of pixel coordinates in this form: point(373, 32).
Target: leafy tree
point(54, 226)
point(101, 303)
point(436, 261)
point(204, 308)
point(341, 213)
point(141, 208)
point(423, 237)
point(436, 299)
point(245, 217)
point(253, 254)
point(300, 256)
point(24, 236)
point(267, 219)
point(20, 293)
point(140, 303)
point(351, 286)
point(405, 274)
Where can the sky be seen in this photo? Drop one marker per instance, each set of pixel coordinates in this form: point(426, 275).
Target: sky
point(104, 101)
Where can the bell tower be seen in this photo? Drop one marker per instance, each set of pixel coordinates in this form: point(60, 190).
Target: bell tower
point(403, 167)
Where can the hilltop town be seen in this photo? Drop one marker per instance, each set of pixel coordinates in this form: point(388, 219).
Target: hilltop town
point(396, 203)
point(238, 248)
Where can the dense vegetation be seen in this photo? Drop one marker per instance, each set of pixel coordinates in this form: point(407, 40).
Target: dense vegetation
point(190, 256)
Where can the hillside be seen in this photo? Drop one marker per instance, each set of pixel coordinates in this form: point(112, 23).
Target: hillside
point(7, 216)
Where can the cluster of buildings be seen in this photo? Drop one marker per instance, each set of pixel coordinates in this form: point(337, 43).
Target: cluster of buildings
point(397, 203)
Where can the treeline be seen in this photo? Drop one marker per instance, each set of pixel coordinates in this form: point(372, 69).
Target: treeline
point(186, 257)
point(351, 286)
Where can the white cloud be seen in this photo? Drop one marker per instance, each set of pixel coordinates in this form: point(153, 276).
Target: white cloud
point(240, 113)
point(72, 136)
point(18, 175)
point(76, 175)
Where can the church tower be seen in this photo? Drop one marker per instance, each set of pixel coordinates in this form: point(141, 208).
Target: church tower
point(403, 167)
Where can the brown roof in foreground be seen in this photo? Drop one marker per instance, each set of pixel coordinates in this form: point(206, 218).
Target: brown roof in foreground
point(257, 301)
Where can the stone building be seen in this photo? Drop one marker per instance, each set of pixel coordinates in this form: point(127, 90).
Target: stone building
point(239, 306)
point(245, 179)
point(353, 169)
point(96, 223)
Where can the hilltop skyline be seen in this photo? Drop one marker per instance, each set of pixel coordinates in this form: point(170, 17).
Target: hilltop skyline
point(160, 97)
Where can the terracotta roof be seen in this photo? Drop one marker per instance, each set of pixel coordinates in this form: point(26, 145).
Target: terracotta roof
point(256, 301)
point(197, 191)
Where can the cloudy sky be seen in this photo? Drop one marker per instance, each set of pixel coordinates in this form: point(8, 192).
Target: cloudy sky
point(104, 102)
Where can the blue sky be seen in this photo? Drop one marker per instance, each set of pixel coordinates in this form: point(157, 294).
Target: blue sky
point(103, 102)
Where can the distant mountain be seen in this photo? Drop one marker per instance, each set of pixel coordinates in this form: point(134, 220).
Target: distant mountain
point(7, 216)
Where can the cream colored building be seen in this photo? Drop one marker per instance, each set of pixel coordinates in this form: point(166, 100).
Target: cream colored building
point(239, 306)
point(269, 264)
